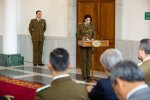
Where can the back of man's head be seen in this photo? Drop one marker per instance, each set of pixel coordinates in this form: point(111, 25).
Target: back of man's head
point(59, 59)
point(127, 71)
point(145, 45)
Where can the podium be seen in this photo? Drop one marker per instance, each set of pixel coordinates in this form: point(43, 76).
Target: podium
point(94, 44)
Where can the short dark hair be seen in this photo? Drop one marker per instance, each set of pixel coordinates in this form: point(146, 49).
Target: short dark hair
point(87, 16)
point(38, 11)
point(128, 71)
point(59, 59)
point(145, 45)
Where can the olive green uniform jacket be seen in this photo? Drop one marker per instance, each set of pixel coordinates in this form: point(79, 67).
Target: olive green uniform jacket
point(145, 66)
point(85, 31)
point(63, 89)
point(37, 29)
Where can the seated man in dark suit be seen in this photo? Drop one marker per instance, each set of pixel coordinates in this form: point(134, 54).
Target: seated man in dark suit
point(103, 89)
point(62, 87)
point(128, 82)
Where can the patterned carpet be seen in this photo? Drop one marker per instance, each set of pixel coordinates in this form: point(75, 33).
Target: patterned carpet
point(21, 90)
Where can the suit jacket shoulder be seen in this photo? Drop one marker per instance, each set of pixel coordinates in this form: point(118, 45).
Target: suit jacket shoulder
point(143, 94)
point(103, 90)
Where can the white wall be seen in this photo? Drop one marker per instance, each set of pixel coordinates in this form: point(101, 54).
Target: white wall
point(54, 11)
point(1, 17)
point(131, 26)
point(135, 26)
point(61, 26)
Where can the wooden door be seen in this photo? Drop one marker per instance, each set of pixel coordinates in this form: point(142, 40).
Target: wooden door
point(103, 14)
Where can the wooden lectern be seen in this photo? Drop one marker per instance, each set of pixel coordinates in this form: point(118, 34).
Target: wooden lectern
point(95, 44)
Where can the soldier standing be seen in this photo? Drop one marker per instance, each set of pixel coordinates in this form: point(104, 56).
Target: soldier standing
point(85, 32)
point(37, 27)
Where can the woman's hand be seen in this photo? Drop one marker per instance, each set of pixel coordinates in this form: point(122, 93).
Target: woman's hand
point(89, 88)
point(92, 39)
point(83, 39)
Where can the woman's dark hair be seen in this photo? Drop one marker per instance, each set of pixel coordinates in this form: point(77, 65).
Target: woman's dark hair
point(87, 16)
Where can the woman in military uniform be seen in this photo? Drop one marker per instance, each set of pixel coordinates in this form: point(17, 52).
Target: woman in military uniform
point(85, 32)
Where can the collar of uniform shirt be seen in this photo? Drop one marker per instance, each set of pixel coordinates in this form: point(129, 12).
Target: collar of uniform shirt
point(38, 19)
point(148, 58)
point(86, 24)
point(60, 76)
point(136, 89)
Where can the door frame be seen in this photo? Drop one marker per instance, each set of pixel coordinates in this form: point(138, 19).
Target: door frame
point(98, 25)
